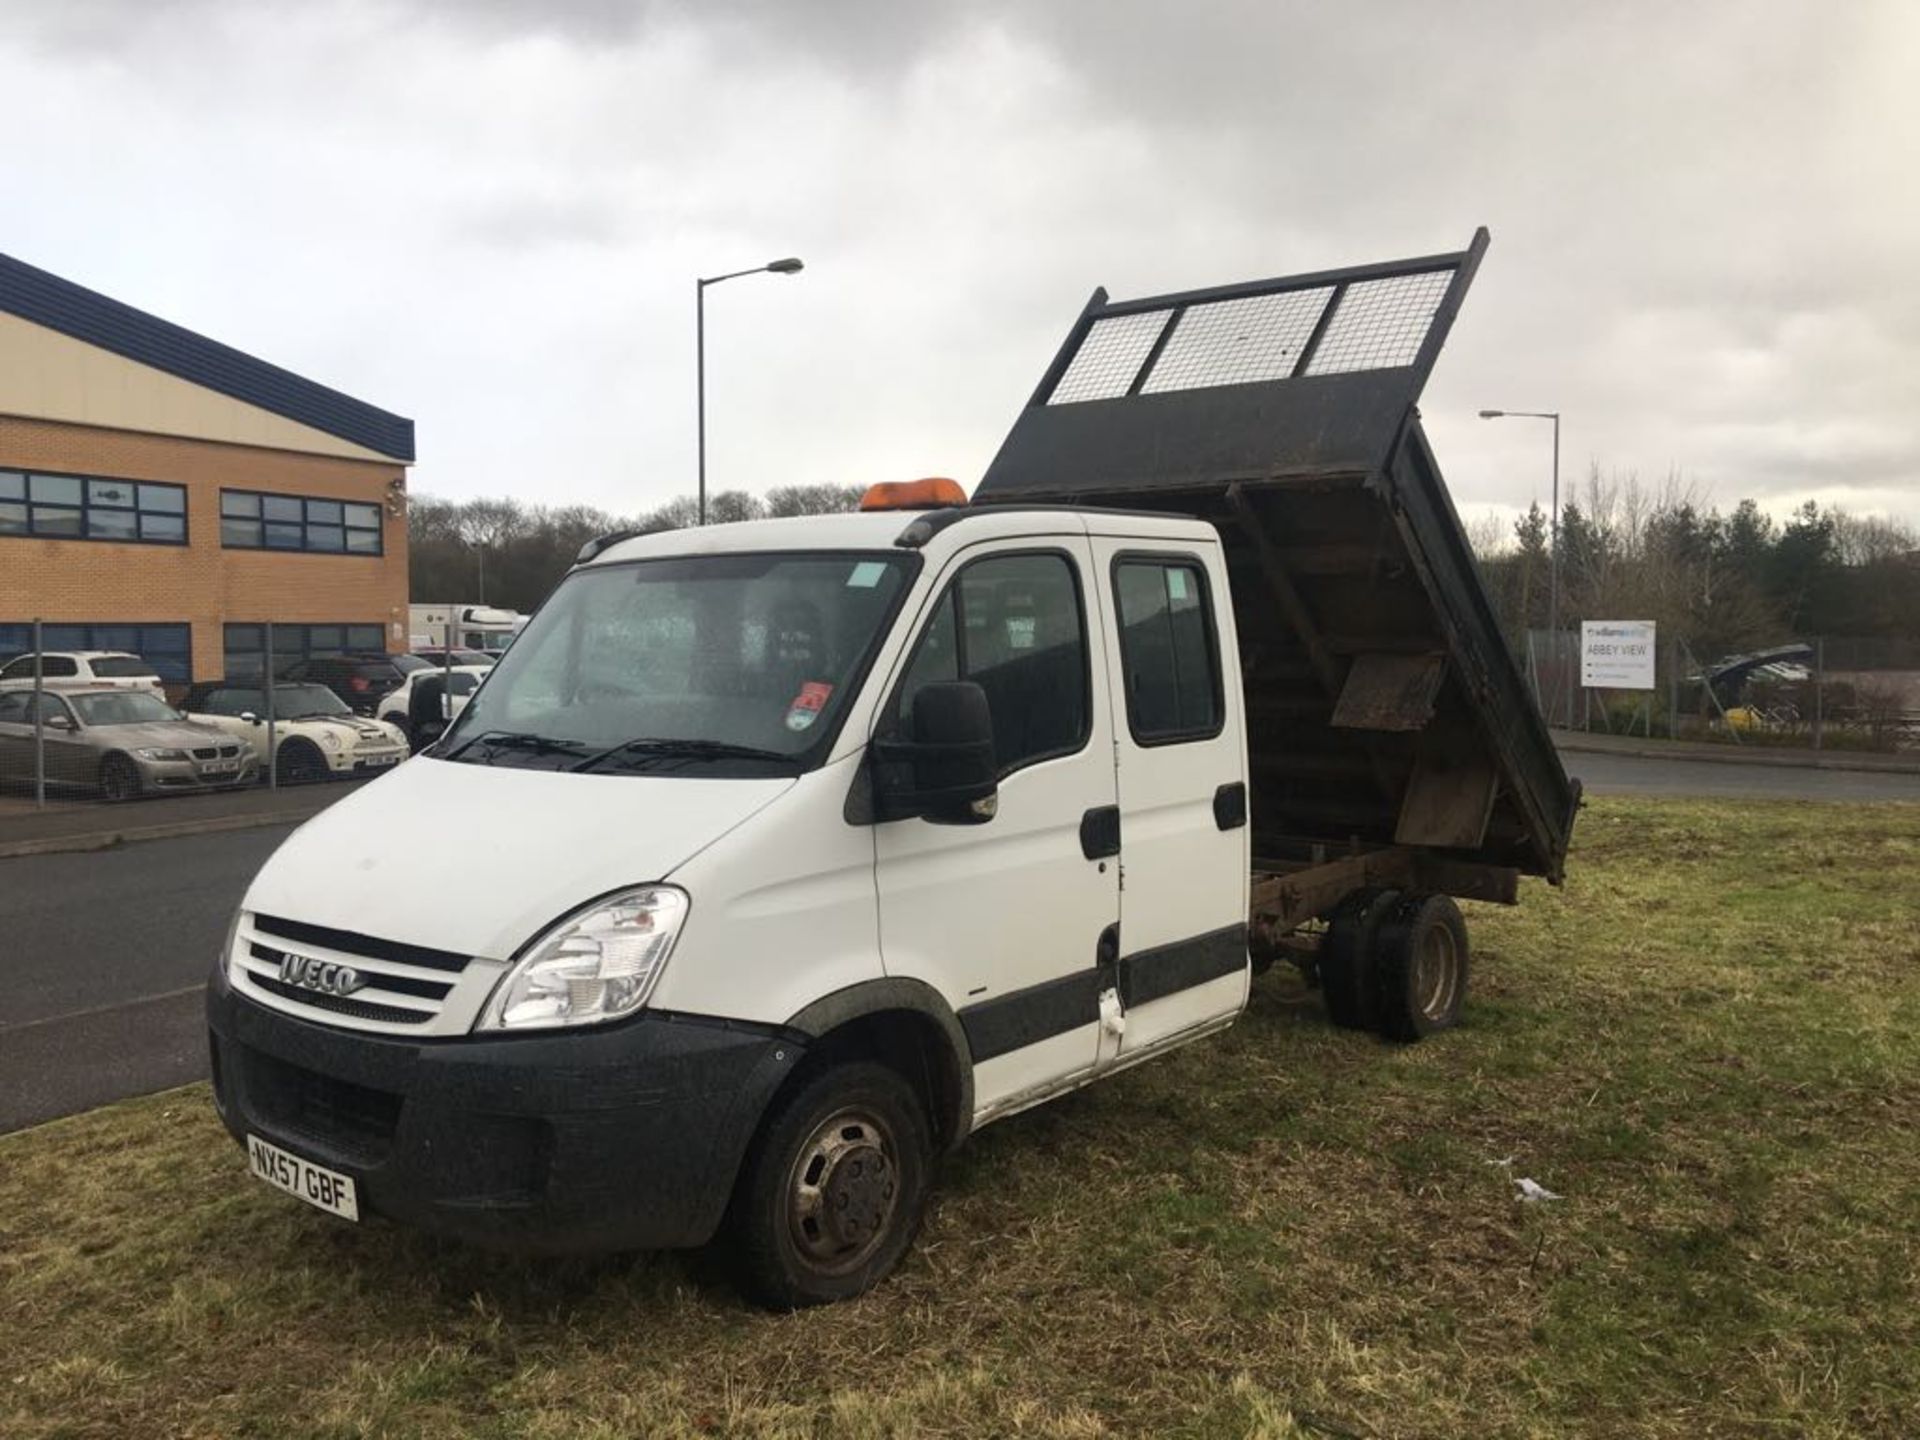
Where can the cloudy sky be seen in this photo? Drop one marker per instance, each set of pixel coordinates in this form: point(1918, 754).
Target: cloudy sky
point(488, 216)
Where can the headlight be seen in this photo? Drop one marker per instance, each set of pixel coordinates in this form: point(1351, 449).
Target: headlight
point(598, 964)
point(330, 740)
point(161, 754)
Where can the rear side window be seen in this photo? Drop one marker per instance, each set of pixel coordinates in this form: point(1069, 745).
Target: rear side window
point(1168, 654)
point(1012, 624)
point(120, 666)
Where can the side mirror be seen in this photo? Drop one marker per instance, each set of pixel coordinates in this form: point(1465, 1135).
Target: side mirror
point(59, 722)
point(946, 772)
point(249, 717)
point(426, 709)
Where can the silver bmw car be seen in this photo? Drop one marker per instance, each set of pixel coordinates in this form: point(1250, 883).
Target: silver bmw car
point(123, 743)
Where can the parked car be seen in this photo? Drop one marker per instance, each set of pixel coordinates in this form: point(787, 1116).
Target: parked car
point(361, 679)
point(124, 743)
point(315, 734)
point(460, 657)
point(396, 707)
point(77, 669)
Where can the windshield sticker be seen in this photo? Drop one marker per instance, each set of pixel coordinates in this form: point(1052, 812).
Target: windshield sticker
point(808, 704)
point(866, 574)
point(1177, 584)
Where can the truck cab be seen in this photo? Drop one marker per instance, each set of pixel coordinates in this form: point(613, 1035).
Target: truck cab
point(740, 841)
point(815, 845)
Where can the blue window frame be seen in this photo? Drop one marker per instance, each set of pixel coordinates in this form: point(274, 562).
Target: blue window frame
point(259, 520)
point(167, 647)
point(246, 645)
point(49, 506)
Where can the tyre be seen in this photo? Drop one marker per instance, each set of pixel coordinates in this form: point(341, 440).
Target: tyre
point(1420, 968)
point(1346, 960)
point(120, 778)
point(832, 1191)
point(301, 763)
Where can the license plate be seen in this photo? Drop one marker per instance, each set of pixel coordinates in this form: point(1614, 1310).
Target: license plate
point(221, 767)
point(374, 762)
point(320, 1187)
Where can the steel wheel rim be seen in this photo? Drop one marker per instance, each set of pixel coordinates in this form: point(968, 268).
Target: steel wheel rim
point(843, 1190)
point(1436, 974)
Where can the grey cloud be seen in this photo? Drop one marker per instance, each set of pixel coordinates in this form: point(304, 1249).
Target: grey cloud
point(1702, 218)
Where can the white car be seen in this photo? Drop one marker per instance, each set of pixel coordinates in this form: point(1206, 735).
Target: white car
point(396, 707)
point(315, 734)
point(78, 669)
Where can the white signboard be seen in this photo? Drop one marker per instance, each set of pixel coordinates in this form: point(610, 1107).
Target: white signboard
point(1616, 654)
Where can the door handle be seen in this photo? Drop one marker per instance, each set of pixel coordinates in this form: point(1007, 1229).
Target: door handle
point(1230, 805)
point(1100, 832)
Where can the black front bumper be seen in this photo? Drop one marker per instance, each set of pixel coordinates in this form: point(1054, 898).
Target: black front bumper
point(627, 1137)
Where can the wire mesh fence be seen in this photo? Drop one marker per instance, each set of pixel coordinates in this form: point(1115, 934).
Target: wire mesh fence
point(105, 726)
point(1821, 693)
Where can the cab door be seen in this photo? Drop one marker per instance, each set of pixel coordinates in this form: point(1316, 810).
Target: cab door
point(1182, 757)
point(1007, 918)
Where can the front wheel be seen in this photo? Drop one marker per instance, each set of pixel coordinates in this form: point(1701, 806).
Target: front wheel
point(119, 778)
point(301, 763)
point(831, 1196)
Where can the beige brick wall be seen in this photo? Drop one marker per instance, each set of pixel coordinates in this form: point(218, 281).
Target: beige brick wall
point(199, 582)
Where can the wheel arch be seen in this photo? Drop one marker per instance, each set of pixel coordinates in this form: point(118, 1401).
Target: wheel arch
point(904, 1023)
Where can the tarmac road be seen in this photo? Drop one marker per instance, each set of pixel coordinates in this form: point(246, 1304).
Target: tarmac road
point(1603, 774)
point(105, 958)
point(104, 954)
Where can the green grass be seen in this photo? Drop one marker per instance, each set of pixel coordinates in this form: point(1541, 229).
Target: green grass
point(1708, 1042)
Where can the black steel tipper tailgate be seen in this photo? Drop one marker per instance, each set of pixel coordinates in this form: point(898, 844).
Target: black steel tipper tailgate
point(1384, 705)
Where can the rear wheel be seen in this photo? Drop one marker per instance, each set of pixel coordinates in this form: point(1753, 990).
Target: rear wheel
point(831, 1195)
point(1420, 975)
point(1346, 960)
point(119, 778)
point(301, 763)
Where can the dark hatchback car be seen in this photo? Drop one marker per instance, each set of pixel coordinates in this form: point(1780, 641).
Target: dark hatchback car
point(360, 679)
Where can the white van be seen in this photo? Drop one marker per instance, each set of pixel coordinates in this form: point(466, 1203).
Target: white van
point(820, 843)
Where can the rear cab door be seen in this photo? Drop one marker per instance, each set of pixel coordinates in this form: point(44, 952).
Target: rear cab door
point(1180, 747)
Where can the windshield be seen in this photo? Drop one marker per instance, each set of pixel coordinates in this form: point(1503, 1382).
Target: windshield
point(289, 702)
point(133, 707)
point(757, 652)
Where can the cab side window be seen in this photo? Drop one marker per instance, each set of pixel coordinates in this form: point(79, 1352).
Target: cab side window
point(1013, 625)
point(1169, 656)
point(13, 707)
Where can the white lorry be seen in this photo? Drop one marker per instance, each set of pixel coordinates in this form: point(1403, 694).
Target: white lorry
point(820, 843)
point(474, 627)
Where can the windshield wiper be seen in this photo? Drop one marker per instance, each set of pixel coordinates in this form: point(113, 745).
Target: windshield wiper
point(689, 749)
point(516, 740)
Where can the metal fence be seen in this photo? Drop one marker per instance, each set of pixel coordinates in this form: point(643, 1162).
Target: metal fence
point(66, 738)
point(1824, 692)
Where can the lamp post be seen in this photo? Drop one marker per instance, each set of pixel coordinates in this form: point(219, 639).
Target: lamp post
point(788, 266)
point(480, 557)
point(1553, 520)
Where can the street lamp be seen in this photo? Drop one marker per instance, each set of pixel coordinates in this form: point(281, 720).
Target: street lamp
point(788, 266)
point(1553, 522)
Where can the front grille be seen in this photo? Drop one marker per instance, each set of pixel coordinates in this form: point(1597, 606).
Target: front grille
point(356, 944)
point(205, 752)
point(402, 986)
point(352, 1121)
point(342, 1005)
